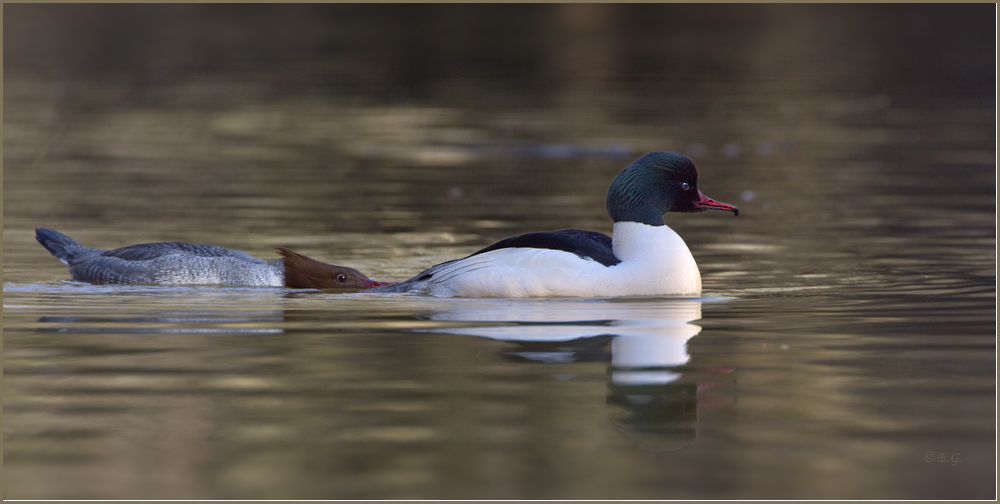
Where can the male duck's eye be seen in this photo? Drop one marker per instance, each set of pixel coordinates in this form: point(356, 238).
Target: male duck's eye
point(341, 277)
point(685, 186)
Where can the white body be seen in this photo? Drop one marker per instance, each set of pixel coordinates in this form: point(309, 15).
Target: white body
point(654, 261)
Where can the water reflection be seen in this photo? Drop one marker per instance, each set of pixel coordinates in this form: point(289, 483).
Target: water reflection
point(652, 392)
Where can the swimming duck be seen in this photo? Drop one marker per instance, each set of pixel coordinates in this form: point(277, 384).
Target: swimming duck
point(179, 263)
point(644, 257)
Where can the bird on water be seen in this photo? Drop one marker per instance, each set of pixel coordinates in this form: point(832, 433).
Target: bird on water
point(643, 257)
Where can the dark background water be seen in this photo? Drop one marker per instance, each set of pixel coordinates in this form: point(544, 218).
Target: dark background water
point(846, 335)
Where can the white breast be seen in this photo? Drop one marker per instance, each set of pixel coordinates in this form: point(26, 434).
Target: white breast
point(656, 259)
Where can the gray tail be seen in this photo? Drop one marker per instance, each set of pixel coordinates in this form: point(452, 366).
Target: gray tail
point(63, 247)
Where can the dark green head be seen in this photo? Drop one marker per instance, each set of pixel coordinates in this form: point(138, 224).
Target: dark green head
point(655, 184)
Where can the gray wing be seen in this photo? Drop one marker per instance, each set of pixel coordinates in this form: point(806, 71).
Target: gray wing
point(172, 263)
point(149, 251)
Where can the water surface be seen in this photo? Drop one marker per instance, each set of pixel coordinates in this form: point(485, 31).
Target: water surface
point(843, 346)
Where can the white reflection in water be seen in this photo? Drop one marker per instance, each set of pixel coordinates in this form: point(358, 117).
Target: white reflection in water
point(652, 394)
point(646, 334)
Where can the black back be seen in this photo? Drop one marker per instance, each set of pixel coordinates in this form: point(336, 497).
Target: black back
point(586, 244)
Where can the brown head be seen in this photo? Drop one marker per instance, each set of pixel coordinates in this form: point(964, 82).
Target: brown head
point(302, 272)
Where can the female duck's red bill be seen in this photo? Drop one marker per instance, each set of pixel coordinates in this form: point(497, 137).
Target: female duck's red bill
point(368, 283)
point(706, 203)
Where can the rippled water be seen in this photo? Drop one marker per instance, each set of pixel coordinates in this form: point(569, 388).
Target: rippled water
point(843, 347)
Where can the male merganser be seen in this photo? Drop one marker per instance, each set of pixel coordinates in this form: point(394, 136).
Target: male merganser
point(645, 257)
point(178, 263)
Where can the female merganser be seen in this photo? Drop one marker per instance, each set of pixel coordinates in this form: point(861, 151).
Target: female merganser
point(178, 263)
point(645, 257)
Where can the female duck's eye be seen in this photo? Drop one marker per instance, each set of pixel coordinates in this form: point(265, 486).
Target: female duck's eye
point(341, 277)
point(685, 186)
